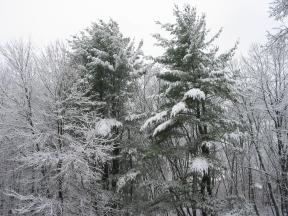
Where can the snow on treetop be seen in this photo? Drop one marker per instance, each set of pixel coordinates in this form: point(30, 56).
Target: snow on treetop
point(162, 127)
point(153, 120)
point(199, 164)
point(194, 93)
point(177, 108)
point(105, 126)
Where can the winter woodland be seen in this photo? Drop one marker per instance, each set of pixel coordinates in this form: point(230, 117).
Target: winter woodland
point(94, 127)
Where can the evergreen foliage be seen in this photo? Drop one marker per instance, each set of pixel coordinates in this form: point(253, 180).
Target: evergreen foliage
point(184, 135)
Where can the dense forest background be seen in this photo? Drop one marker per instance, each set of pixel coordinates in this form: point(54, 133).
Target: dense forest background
point(92, 126)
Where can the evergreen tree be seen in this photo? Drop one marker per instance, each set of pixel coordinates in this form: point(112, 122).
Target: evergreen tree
point(184, 134)
point(109, 63)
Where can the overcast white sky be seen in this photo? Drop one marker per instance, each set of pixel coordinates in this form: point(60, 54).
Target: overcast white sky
point(47, 20)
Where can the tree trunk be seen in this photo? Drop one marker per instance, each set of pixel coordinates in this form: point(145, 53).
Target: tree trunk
point(269, 185)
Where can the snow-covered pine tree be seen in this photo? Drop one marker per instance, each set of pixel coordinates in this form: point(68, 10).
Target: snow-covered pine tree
point(109, 63)
point(190, 121)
